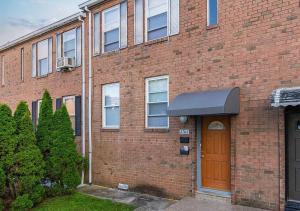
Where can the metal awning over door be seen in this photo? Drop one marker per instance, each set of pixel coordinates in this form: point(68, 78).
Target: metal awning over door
point(285, 97)
point(212, 102)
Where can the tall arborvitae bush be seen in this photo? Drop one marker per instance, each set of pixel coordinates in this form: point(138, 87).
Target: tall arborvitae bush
point(64, 159)
point(7, 148)
point(28, 160)
point(45, 125)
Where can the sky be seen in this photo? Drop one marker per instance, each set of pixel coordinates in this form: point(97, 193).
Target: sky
point(20, 17)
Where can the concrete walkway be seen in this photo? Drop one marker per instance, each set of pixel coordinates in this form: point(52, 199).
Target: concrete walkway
point(145, 202)
point(192, 204)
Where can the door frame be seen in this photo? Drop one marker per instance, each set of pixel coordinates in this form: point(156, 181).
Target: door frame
point(200, 187)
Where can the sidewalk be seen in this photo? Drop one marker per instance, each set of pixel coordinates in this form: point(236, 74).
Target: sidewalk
point(192, 204)
point(145, 202)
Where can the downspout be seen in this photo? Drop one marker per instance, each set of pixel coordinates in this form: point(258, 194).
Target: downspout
point(81, 18)
point(90, 95)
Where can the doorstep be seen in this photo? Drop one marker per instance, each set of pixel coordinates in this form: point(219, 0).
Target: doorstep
point(213, 195)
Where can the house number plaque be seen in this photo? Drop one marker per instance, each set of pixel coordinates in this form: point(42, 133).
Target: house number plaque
point(184, 132)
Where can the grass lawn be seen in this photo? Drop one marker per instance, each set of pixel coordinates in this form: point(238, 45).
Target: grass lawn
point(80, 202)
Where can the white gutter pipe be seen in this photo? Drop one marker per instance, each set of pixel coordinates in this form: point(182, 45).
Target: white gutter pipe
point(81, 18)
point(90, 95)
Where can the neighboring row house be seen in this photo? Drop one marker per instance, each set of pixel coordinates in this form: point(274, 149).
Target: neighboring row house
point(174, 97)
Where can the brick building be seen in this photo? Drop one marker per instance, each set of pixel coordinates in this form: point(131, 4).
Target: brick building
point(174, 97)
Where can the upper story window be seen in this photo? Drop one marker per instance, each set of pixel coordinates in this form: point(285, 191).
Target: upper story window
point(42, 58)
point(68, 44)
point(2, 68)
point(111, 105)
point(22, 64)
point(162, 19)
point(114, 28)
point(96, 25)
point(212, 12)
point(157, 19)
point(157, 100)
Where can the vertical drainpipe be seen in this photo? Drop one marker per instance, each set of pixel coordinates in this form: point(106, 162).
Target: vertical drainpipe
point(90, 95)
point(81, 18)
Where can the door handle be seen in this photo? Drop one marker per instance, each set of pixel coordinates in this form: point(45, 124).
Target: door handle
point(202, 156)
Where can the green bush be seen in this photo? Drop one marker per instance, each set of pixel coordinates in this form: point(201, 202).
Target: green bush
point(28, 160)
point(65, 162)
point(7, 139)
point(22, 203)
point(45, 125)
point(2, 182)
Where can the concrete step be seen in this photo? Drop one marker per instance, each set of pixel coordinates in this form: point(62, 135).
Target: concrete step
point(213, 196)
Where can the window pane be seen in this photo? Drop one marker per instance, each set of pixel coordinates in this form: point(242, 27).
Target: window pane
point(78, 48)
point(111, 95)
point(111, 36)
point(139, 21)
point(156, 34)
point(158, 97)
point(112, 19)
point(33, 60)
point(58, 45)
point(158, 109)
point(158, 85)
point(72, 118)
point(157, 121)
point(96, 33)
point(50, 55)
point(69, 43)
point(212, 12)
point(43, 49)
point(70, 105)
point(157, 21)
point(112, 116)
point(43, 67)
point(156, 7)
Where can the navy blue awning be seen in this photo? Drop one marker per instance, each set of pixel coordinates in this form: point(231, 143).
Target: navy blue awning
point(213, 102)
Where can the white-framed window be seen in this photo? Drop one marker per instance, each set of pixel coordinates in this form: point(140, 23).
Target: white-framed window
point(22, 64)
point(111, 105)
point(69, 102)
point(68, 44)
point(212, 12)
point(42, 58)
point(2, 67)
point(157, 101)
point(114, 28)
point(96, 25)
point(161, 19)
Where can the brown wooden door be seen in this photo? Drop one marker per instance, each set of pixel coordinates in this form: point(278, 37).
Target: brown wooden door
point(293, 139)
point(215, 153)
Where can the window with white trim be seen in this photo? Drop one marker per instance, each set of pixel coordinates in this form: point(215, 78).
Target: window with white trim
point(157, 101)
point(22, 64)
point(2, 67)
point(114, 28)
point(96, 33)
point(111, 105)
point(69, 102)
point(212, 12)
point(162, 19)
point(42, 58)
point(68, 44)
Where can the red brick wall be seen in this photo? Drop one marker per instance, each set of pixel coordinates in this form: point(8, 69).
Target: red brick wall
point(255, 47)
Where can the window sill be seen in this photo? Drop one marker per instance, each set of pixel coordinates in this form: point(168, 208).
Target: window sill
point(160, 40)
point(110, 129)
point(210, 27)
point(157, 130)
point(42, 76)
